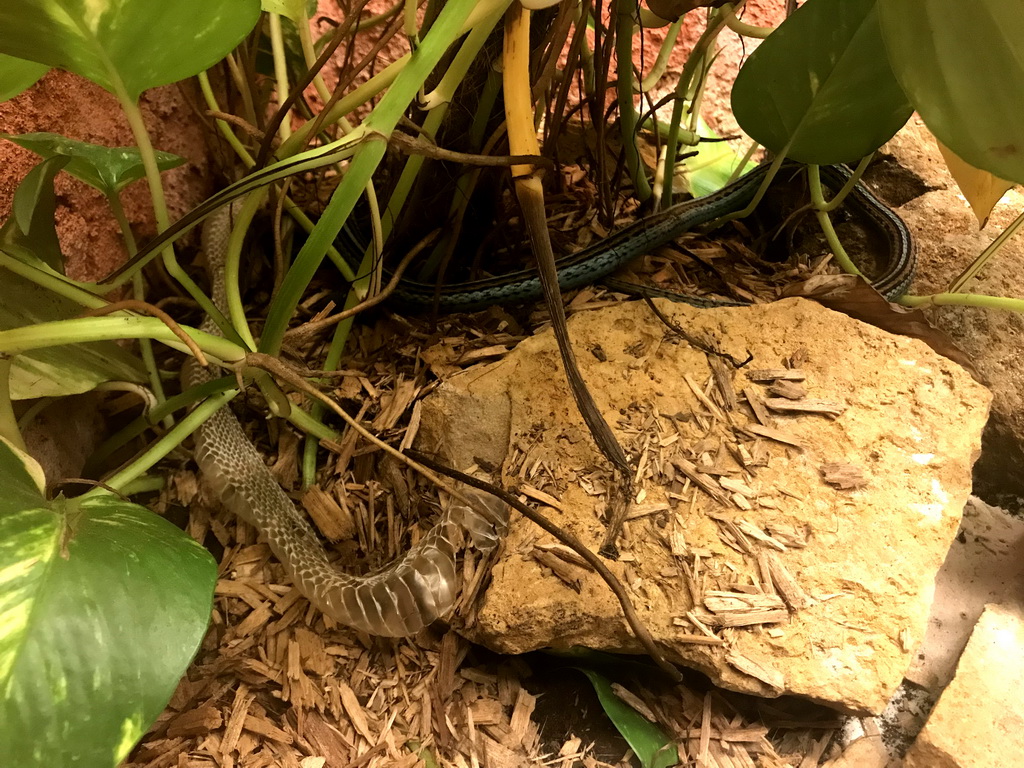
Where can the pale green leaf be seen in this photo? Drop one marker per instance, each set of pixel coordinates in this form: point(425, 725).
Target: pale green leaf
point(125, 46)
point(962, 67)
point(102, 606)
point(33, 210)
point(819, 88)
point(63, 370)
point(17, 75)
point(108, 169)
point(651, 745)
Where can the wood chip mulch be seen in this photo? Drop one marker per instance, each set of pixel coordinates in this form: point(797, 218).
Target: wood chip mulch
point(276, 684)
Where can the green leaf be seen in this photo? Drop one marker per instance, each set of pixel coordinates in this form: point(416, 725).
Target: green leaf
point(294, 60)
point(962, 67)
point(820, 88)
point(63, 370)
point(647, 740)
point(125, 46)
point(291, 9)
point(17, 75)
point(102, 606)
point(712, 165)
point(108, 169)
point(31, 225)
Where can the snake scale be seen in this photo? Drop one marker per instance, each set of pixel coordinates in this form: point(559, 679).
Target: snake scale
point(422, 585)
point(396, 601)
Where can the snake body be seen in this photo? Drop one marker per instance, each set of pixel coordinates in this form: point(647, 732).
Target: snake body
point(590, 264)
point(422, 585)
point(395, 601)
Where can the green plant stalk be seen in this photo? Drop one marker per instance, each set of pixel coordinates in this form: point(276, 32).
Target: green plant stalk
point(664, 51)
point(355, 99)
point(222, 126)
point(167, 443)
point(741, 27)
point(841, 256)
point(963, 300)
point(241, 220)
point(144, 485)
point(738, 170)
point(52, 281)
point(445, 90)
point(624, 94)
point(29, 414)
point(243, 89)
point(403, 187)
point(139, 292)
point(334, 352)
point(378, 125)
point(716, 22)
point(818, 194)
point(156, 190)
point(979, 263)
point(586, 54)
point(777, 162)
point(141, 423)
point(280, 68)
point(290, 206)
point(488, 98)
point(414, 163)
point(380, 18)
point(375, 85)
point(306, 161)
point(111, 327)
point(697, 99)
point(454, 76)
point(310, 56)
point(410, 23)
point(8, 424)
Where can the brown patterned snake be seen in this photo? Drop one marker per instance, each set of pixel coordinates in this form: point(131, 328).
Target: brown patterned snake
point(395, 601)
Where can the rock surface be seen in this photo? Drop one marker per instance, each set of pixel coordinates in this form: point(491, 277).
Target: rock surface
point(861, 561)
point(948, 239)
point(983, 566)
point(978, 721)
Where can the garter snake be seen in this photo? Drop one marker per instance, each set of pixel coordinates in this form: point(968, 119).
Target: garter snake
point(594, 262)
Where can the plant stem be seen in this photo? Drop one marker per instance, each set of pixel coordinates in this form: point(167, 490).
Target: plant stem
point(378, 125)
point(139, 292)
point(144, 485)
point(84, 329)
point(240, 221)
point(964, 300)
point(8, 424)
point(661, 63)
point(838, 251)
point(142, 141)
point(741, 27)
point(290, 206)
point(978, 264)
point(817, 193)
point(52, 281)
point(309, 55)
point(624, 10)
point(716, 21)
point(167, 443)
point(280, 69)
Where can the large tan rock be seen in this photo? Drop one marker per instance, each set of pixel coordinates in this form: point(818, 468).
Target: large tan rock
point(948, 239)
point(984, 565)
point(862, 576)
point(978, 721)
